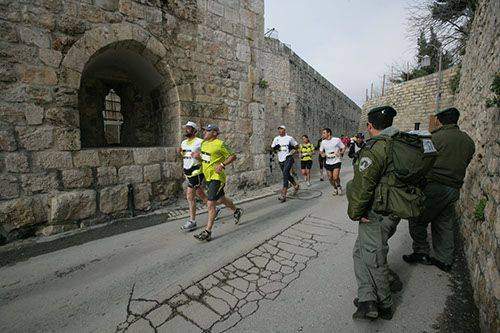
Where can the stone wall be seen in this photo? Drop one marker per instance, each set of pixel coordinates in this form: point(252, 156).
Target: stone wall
point(415, 100)
point(192, 60)
point(482, 183)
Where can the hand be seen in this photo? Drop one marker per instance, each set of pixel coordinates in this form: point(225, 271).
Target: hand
point(179, 150)
point(219, 168)
point(364, 220)
point(196, 154)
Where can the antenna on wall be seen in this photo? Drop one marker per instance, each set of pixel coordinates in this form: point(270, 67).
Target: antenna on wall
point(272, 33)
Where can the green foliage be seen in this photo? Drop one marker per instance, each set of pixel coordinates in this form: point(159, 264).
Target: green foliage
point(455, 81)
point(263, 84)
point(479, 211)
point(495, 88)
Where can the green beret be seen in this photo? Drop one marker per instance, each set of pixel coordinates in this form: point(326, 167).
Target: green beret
point(448, 110)
point(387, 110)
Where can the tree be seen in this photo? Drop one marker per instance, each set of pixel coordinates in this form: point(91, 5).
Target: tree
point(449, 19)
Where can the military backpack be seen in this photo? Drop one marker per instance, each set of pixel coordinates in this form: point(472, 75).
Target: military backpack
point(410, 158)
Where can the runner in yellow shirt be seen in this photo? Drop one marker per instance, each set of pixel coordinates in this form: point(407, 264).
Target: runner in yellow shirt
point(215, 156)
point(306, 150)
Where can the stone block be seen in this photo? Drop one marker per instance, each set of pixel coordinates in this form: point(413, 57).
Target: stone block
point(172, 171)
point(130, 174)
point(9, 187)
point(33, 36)
point(52, 159)
point(39, 182)
point(45, 76)
point(33, 114)
point(243, 52)
point(72, 206)
point(23, 212)
point(7, 141)
point(77, 178)
point(16, 163)
point(152, 173)
point(67, 139)
point(61, 116)
point(106, 176)
point(149, 155)
point(113, 199)
point(142, 196)
point(86, 158)
point(50, 57)
point(215, 8)
point(115, 157)
point(35, 138)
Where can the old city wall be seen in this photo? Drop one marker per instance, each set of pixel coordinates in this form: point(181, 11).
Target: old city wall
point(480, 198)
point(414, 100)
point(168, 62)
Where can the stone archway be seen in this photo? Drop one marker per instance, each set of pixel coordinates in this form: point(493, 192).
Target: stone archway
point(99, 43)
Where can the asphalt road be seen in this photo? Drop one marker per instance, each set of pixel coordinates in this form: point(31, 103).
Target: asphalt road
point(285, 268)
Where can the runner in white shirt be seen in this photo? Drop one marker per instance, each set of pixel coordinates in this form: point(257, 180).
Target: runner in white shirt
point(332, 149)
point(285, 146)
point(192, 172)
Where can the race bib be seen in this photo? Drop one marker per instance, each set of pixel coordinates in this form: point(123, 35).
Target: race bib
point(206, 158)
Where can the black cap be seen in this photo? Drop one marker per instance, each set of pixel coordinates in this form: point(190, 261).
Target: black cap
point(387, 110)
point(448, 110)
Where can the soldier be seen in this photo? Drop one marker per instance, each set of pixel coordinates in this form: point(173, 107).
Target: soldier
point(371, 248)
point(445, 179)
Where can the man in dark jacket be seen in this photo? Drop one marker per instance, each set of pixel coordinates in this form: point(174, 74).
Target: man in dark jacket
point(445, 179)
point(357, 143)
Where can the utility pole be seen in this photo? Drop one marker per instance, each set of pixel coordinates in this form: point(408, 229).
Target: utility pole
point(383, 85)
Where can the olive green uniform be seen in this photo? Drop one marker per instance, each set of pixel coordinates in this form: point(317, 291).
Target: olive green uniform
point(371, 248)
point(445, 179)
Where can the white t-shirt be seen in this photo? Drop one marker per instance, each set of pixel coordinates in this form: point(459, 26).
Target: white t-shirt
point(188, 148)
point(332, 149)
point(286, 144)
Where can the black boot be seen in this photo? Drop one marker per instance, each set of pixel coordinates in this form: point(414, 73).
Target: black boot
point(385, 313)
point(417, 258)
point(396, 285)
point(441, 265)
point(366, 310)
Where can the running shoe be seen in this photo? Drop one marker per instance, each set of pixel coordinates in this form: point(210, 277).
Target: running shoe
point(339, 190)
point(309, 184)
point(188, 226)
point(237, 215)
point(334, 193)
point(321, 179)
point(281, 199)
point(205, 235)
point(296, 189)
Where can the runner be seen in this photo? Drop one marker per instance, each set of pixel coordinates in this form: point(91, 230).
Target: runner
point(215, 156)
point(321, 159)
point(285, 145)
point(192, 172)
point(357, 143)
point(306, 150)
point(332, 149)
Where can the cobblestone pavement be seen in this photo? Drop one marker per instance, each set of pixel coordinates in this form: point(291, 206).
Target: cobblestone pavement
point(222, 299)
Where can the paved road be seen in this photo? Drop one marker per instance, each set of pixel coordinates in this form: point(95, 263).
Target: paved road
point(286, 268)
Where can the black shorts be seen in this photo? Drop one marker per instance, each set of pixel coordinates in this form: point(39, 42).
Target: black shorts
point(195, 181)
point(215, 190)
point(331, 167)
point(306, 164)
point(321, 161)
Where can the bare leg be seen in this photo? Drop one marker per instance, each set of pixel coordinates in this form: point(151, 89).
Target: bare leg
point(331, 179)
point(308, 175)
point(336, 177)
point(304, 174)
point(201, 194)
point(190, 195)
point(211, 215)
point(227, 202)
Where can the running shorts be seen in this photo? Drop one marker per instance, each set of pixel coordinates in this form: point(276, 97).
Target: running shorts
point(215, 190)
point(331, 167)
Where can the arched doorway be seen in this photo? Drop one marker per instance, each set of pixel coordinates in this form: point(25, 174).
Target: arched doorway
point(121, 99)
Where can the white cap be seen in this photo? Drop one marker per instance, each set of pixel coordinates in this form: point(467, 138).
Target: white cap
point(282, 126)
point(191, 124)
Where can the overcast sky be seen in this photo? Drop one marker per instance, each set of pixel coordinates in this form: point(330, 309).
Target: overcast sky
point(350, 42)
